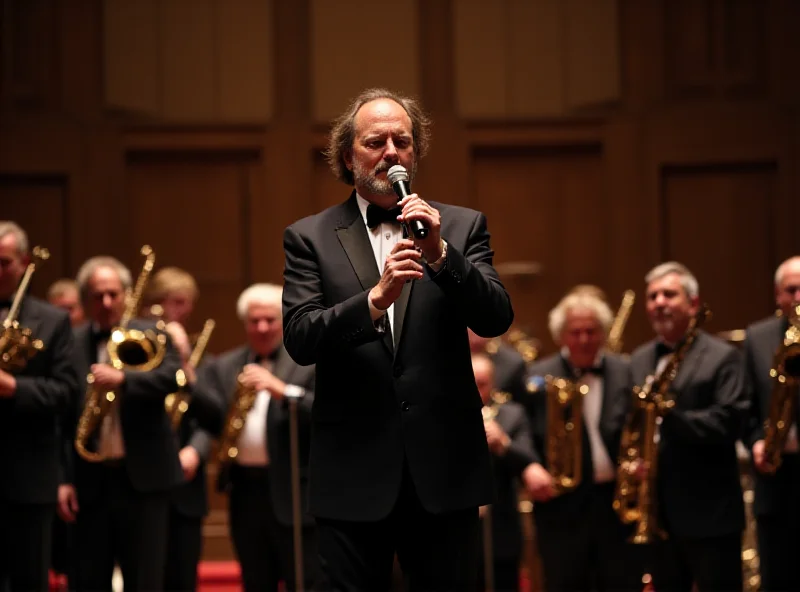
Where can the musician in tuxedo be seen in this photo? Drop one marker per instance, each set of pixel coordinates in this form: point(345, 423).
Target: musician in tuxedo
point(582, 541)
point(509, 366)
point(258, 479)
point(120, 505)
point(399, 460)
point(64, 294)
point(776, 494)
point(33, 399)
point(698, 490)
point(175, 292)
point(508, 435)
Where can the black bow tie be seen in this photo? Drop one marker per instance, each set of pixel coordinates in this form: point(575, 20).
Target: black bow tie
point(590, 370)
point(99, 335)
point(662, 349)
point(376, 215)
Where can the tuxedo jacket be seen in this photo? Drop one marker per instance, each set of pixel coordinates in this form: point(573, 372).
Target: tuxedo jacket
point(762, 340)
point(151, 448)
point(509, 371)
point(221, 378)
point(699, 491)
point(617, 396)
point(507, 469)
point(385, 398)
point(30, 419)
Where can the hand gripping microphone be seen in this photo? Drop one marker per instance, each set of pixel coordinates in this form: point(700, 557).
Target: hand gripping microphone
point(398, 177)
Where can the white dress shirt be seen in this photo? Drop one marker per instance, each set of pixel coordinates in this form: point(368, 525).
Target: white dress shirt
point(112, 441)
point(252, 442)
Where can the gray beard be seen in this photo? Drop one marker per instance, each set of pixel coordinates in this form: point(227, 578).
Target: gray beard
point(376, 186)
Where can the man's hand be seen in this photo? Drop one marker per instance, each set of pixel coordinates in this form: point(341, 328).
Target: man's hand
point(190, 461)
point(107, 377)
point(402, 265)
point(538, 482)
point(8, 384)
point(415, 208)
point(259, 378)
point(67, 503)
point(180, 339)
point(759, 458)
point(496, 438)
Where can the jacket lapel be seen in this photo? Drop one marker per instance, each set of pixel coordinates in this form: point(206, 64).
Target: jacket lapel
point(690, 363)
point(283, 366)
point(352, 235)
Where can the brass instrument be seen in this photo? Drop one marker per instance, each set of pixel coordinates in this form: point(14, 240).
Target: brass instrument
point(489, 412)
point(526, 346)
point(614, 342)
point(243, 400)
point(564, 429)
point(785, 373)
point(635, 499)
point(177, 403)
point(129, 350)
point(17, 345)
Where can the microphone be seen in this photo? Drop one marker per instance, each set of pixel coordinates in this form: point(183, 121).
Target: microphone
point(398, 177)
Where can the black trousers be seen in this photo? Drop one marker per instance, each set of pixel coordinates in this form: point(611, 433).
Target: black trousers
point(184, 545)
point(587, 549)
point(779, 551)
point(122, 526)
point(25, 545)
point(713, 564)
point(264, 546)
point(435, 551)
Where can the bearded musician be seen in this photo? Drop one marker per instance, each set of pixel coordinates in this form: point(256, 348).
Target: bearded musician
point(698, 491)
point(776, 493)
point(582, 541)
point(258, 477)
point(33, 399)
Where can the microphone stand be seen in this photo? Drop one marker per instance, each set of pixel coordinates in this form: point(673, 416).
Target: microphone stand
point(297, 525)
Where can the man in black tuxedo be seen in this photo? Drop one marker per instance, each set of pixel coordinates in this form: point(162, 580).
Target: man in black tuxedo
point(120, 505)
point(258, 478)
point(508, 435)
point(582, 541)
point(399, 460)
point(698, 491)
point(509, 366)
point(776, 494)
point(33, 400)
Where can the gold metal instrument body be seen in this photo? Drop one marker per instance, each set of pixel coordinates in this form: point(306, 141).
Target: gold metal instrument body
point(243, 400)
point(564, 446)
point(785, 373)
point(177, 403)
point(17, 344)
point(129, 350)
point(614, 342)
point(635, 498)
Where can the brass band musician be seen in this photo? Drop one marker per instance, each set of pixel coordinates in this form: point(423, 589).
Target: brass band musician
point(776, 493)
point(64, 294)
point(698, 492)
point(33, 399)
point(581, 539)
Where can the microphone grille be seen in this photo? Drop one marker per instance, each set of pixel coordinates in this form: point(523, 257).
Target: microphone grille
point(397, 173)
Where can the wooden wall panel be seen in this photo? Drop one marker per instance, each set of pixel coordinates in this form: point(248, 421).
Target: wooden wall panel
point(27, 200)
point(327, 189)
point(717, 221)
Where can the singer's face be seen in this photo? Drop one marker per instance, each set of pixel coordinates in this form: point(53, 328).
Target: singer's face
point(383, 138)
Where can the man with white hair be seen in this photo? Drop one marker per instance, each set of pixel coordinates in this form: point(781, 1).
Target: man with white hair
point(33, 400)
point(120, 504)
point(698, 492)
point(258, 479)
point(776, 493)
point(582, 541)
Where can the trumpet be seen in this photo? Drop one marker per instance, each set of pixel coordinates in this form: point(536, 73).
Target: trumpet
point(128, 349)
point(17, 344)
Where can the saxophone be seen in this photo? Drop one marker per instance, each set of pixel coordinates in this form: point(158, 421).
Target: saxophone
point(128, 349)
point(489, 412)
point(17, 345)
point(785, 373)
point(614, 342)
point(564, 404)
point(243, 400)
point(177, 403)
point(635, 499)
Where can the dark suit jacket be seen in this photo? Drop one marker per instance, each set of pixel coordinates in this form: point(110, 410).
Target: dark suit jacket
point(29, 421)
point(509, 371)
point(151, 449)
point(221, 379)
point(762, 340)
point(384, 399)
point(506, 527)
point(617, 387)
point(699, 492)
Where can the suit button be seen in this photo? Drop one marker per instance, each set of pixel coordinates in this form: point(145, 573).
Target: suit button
point(457, 276)
point(398, 371)
point(404, 405)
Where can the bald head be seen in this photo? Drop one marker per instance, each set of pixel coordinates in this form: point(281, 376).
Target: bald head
point(787, 284)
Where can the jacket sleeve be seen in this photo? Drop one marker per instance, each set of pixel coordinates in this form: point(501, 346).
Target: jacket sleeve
point(520, 452)
point(754, 422)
